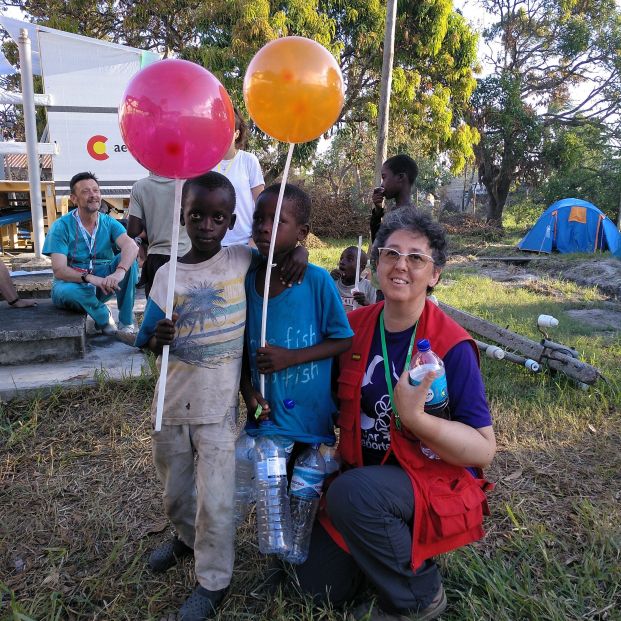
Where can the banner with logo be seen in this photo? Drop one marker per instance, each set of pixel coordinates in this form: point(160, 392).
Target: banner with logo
point(86, 79)
point(91, 141)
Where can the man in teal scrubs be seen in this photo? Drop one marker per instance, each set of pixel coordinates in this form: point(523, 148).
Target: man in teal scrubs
point(86, 270)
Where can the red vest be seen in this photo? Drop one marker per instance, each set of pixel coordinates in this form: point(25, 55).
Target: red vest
point(449, 503)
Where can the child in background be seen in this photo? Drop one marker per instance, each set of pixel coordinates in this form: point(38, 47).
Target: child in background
point(306, 328)
point(206, 338)
point(398, 178)
point(345, 278)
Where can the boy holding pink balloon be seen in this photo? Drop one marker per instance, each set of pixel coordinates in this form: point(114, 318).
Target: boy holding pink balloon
point(205, 337)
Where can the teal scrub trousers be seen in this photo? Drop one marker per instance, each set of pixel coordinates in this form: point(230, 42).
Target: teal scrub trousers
point(90, 299)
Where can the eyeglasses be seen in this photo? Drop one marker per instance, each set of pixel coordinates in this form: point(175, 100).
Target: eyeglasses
point(415, 260)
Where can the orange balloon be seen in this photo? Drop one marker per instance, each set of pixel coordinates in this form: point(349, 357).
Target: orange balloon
point(294, 89)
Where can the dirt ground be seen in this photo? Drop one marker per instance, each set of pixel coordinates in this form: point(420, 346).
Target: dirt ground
point(603, 274)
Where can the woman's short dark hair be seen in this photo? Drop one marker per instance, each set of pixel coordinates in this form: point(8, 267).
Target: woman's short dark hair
point(415, 221)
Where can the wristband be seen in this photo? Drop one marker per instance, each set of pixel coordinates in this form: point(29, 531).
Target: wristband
point(120, 267)
point(15, 301)
point(84, 275)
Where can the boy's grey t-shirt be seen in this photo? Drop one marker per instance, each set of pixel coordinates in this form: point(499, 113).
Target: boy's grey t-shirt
point(204, 363)
point(152, 200)
point(348, 299)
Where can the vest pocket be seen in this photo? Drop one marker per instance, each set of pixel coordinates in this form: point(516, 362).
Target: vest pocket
point(348, 388)
point(348, 383)
point(455, 507)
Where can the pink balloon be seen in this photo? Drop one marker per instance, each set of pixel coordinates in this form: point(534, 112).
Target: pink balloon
point(176, 119)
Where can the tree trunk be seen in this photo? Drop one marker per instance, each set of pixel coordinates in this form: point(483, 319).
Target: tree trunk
point(497, 180)
point(358, 185)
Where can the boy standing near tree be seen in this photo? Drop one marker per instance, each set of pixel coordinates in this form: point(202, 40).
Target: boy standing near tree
point(398, 178)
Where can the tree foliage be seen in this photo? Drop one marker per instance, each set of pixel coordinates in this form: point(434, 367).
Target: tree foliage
point(582, 163)
point(435, 52)
point(556, 63)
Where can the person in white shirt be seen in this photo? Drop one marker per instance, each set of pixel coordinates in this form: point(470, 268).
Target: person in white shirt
point(243, 170)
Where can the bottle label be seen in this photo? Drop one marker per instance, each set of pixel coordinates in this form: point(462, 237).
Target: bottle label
point(276, 467)
point(436, 400)
point(306, 483)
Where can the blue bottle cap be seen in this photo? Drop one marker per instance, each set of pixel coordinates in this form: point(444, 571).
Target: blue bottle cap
point(423, 345)
point(289, 403)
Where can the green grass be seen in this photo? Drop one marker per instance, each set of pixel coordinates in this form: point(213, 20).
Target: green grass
point(80, 506)
point(329, 256)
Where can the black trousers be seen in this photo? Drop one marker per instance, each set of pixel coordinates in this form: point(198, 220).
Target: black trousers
point(373, 509)
point(152, 263)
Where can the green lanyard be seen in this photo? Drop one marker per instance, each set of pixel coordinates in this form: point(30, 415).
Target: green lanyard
point(387, 365)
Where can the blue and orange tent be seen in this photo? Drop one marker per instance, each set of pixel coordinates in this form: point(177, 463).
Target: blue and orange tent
point(572, 225)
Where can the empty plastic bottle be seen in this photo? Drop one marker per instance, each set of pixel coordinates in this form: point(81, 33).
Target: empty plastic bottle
point(286, 444)
point(245, 493)
point(273, 513)
point(437, 400)
point(309, 473)
point(331, 457)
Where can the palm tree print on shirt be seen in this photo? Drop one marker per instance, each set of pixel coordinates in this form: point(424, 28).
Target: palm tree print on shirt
point(202, 303)
point(202, 315)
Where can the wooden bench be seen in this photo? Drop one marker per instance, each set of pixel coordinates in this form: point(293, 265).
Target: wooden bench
point(11, 205)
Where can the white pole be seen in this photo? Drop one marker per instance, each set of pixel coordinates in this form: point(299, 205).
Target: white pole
point(2, 177)
point(270, 258)
point(30, 122)
point(385, 88)
point(358, 262)
point(170, 298)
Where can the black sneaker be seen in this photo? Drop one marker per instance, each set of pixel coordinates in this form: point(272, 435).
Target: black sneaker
point(166, 556)
point(202, 604)
point(370, 612)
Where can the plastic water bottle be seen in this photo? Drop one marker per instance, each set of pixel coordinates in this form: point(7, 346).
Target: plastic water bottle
point(332, 458)
point(245, 493)
point(273, 513)
point(309, 473)
point(437, 399)
point(286, 444)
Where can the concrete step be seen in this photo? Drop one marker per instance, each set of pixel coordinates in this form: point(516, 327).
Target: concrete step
point(42, 333)
point(38, 286)
point(30, 286)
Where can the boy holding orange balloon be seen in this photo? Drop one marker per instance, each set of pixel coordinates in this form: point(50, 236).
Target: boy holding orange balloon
point(306, 328)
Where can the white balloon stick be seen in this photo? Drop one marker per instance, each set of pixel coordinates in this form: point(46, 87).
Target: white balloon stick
point(270, 258)
point(170, 295)
point(358, 262)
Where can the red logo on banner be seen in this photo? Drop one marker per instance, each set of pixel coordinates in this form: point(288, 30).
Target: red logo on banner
point(96, 147)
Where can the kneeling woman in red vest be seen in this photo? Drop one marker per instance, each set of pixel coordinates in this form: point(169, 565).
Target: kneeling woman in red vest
point(411, 485)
